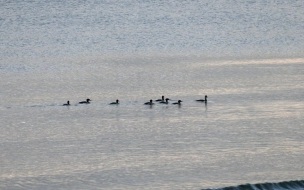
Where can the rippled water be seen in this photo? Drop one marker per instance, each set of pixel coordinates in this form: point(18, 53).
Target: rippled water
point(249, 131)
point(245, 56)
point(48, 29)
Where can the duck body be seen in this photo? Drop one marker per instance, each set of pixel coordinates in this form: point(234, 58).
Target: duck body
point(165, 102)
point(116, 102)
point(85, 102)
point(67, 104)
point(160, 100)
point(178, 102)
point(149, 103)
point(203, 100)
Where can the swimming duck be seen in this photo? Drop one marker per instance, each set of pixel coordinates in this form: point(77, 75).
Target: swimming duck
point(165, 102)
point(116, 102)
point(85, 102)
point(203, 100)
point(67, 104)
point(178, 102)
point(149, 103)
point(162, 99)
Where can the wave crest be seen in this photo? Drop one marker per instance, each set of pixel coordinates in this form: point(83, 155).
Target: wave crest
point(295, 185)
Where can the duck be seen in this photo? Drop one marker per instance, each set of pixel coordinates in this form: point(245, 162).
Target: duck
point(149, 103)
point(160, 100)
point(203, 100)
point(116, 102)
point(85, 102)
point(67, 104)
point(178, 102)
point(165, 102)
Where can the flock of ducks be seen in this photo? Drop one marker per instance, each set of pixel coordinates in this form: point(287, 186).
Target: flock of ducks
point(161, 101)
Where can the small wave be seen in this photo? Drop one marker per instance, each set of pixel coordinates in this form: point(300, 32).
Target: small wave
point(295, 185)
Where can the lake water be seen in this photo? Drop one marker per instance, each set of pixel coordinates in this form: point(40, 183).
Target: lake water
point(246, 56)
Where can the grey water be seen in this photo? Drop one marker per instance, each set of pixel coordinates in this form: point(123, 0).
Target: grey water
point(246, 56)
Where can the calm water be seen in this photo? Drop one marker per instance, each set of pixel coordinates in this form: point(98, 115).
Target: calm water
point(247, 57)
